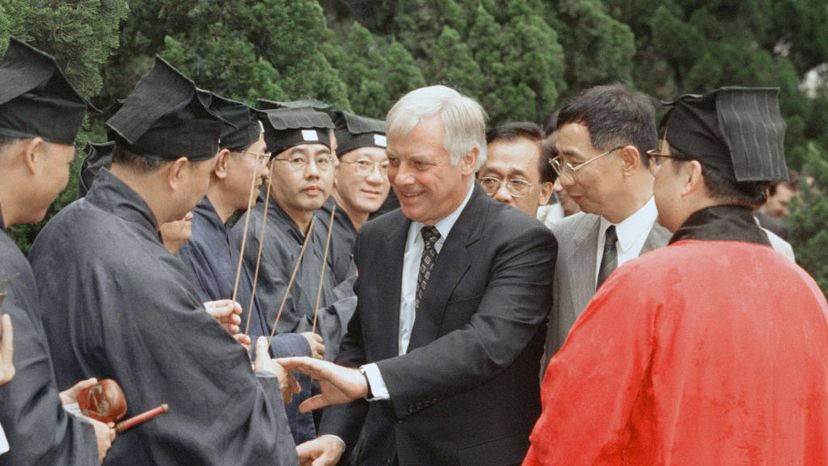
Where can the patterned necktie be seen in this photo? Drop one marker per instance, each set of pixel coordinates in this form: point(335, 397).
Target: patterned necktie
point(609, 259)
point(430, 238)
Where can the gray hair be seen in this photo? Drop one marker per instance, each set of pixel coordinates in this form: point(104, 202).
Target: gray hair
point(464, 120)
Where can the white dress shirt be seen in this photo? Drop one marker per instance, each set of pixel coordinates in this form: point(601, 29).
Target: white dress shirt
point(408, 291)
point(4, 443)
point(632, 234)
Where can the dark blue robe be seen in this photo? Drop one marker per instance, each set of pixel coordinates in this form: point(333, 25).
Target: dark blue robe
point(213, 261)
point(342, 243)
point(281, 247)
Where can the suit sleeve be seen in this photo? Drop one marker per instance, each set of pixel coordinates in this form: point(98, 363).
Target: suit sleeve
point(513, 307)
point(591, 384)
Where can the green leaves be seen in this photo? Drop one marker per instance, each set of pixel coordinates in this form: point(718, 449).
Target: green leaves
point(519, 58)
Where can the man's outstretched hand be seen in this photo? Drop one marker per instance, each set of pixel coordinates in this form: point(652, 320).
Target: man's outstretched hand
point(338, 384)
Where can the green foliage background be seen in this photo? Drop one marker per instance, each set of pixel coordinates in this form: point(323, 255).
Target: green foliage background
point(519, 58)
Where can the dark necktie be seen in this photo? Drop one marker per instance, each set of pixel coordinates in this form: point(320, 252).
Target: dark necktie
point(609, 259)
point(430, 238)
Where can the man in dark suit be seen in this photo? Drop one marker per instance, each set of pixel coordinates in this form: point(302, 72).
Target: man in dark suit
point(453, 293)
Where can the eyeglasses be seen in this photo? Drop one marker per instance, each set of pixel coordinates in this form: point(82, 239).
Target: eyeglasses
point(566, 170)
point(366, 167)
point(261, 157)
point(656, 159)
point(300, 163)
point(516, 187)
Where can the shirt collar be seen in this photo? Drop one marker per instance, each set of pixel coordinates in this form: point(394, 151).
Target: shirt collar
point(637, 225)
point(445, 224)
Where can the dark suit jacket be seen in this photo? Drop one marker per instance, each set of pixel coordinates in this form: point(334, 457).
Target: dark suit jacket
point(466, 393)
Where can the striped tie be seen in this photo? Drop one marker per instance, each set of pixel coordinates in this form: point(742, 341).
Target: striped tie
point(430, 238)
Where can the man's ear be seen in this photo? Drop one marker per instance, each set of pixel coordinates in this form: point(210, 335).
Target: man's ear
point(32, 150)
point(468, 163)
point(222, 162)
point(632, 159)
point(545, 193)
point(176, 172)
point(692, 177)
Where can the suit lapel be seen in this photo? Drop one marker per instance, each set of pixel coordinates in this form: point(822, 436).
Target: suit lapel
point(452, 264)
point(658, 237)
point(393, 256)
point(582, 258)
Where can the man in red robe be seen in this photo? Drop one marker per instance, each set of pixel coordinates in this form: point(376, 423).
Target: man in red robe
point(713, 350)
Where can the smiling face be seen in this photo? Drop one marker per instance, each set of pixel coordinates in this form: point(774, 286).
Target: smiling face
point(428, 186)
point(362, 180)
point(300, 191)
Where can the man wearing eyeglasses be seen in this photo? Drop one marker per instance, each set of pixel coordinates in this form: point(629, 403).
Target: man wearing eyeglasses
point(241, 167)
point(602, 138)
point(360, 185)
point(301, 179)
point(515, 172)
point(713, 349)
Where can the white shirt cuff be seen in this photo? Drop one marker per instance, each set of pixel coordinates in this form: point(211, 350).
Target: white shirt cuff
point(376, 384)
point(4, 444)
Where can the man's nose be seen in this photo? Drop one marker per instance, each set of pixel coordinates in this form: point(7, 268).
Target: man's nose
point(502, 194)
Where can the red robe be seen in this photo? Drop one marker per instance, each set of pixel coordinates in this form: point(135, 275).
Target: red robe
point(701, 353)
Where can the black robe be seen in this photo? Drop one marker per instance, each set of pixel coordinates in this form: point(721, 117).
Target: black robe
point(117, 304)
point(39, 430)
point(282, 245)
point(213, 260)
point(342, 242)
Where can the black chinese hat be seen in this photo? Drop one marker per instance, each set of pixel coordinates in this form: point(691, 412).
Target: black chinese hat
point(354, 132)
point(97, 156)
point(166, 117)
point(289, 127)
point(36, 99)
point(245, 123)
point(739, 131)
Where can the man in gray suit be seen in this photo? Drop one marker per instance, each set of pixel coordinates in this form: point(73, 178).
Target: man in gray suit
point(602, 139)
